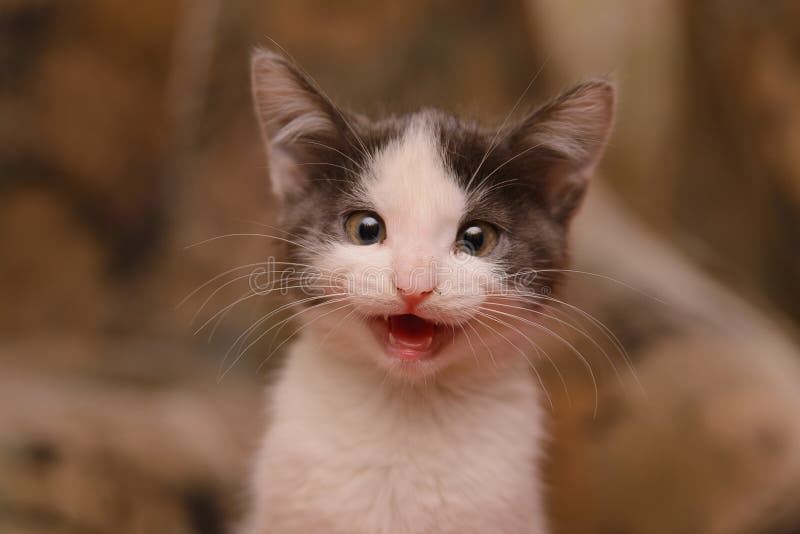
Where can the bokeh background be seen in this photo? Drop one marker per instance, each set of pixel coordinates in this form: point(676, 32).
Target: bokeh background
point(126, 135)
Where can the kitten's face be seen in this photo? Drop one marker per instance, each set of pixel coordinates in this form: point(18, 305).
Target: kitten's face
point(423, 240)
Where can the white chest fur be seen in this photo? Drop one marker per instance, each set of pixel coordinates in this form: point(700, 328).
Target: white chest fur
point(347, 452)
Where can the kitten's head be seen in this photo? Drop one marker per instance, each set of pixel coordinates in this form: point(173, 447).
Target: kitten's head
point(424, 241)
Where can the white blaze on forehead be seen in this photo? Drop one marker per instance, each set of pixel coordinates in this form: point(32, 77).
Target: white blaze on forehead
point(417, 196)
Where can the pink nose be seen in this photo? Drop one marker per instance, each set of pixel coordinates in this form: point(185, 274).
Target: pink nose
point(412, 298)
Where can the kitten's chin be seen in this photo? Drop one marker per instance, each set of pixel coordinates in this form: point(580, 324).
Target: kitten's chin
point(409, 338)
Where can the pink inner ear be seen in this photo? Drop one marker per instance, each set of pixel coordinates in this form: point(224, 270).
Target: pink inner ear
point(285, 176)
point(565, 188)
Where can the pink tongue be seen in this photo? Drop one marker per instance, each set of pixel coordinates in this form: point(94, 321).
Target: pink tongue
point(410, 331)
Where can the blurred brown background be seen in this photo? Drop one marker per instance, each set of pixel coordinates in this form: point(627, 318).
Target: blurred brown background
point(126, 134)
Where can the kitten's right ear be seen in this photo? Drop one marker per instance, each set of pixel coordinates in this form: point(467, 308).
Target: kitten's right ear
point(297, 121)
point(564, 141)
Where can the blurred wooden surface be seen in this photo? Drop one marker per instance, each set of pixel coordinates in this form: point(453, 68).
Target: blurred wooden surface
point(121, 438)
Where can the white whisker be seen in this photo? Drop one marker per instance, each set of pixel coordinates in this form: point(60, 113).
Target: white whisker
point(212, 280)
point(242, 352)
point(610, 279)
point(247, 234)
point(539, 350)
point(522, 352)
point(568, 325)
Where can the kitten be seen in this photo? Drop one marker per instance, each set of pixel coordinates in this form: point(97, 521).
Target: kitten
point(421, 245)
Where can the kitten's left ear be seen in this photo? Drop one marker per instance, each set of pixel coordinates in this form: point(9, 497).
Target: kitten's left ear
point(300, 125)
point(565, 140)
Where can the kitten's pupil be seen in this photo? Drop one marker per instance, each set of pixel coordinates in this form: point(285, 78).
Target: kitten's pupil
point(364, 228)
point(477, 238)
point(369, 229)
point(473, 239)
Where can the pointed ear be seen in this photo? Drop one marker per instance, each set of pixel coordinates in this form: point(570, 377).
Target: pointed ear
point(297, 121)
point(566, 139)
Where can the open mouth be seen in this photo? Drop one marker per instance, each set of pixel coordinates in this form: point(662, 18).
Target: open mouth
point(408, 337)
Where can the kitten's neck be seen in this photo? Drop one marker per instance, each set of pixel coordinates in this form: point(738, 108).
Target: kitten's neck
point(345, 386)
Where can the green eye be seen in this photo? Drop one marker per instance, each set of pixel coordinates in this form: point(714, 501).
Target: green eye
point(365, 228)
point(477, 238)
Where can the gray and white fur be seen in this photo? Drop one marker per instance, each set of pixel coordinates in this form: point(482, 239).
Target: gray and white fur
point(361, 440)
